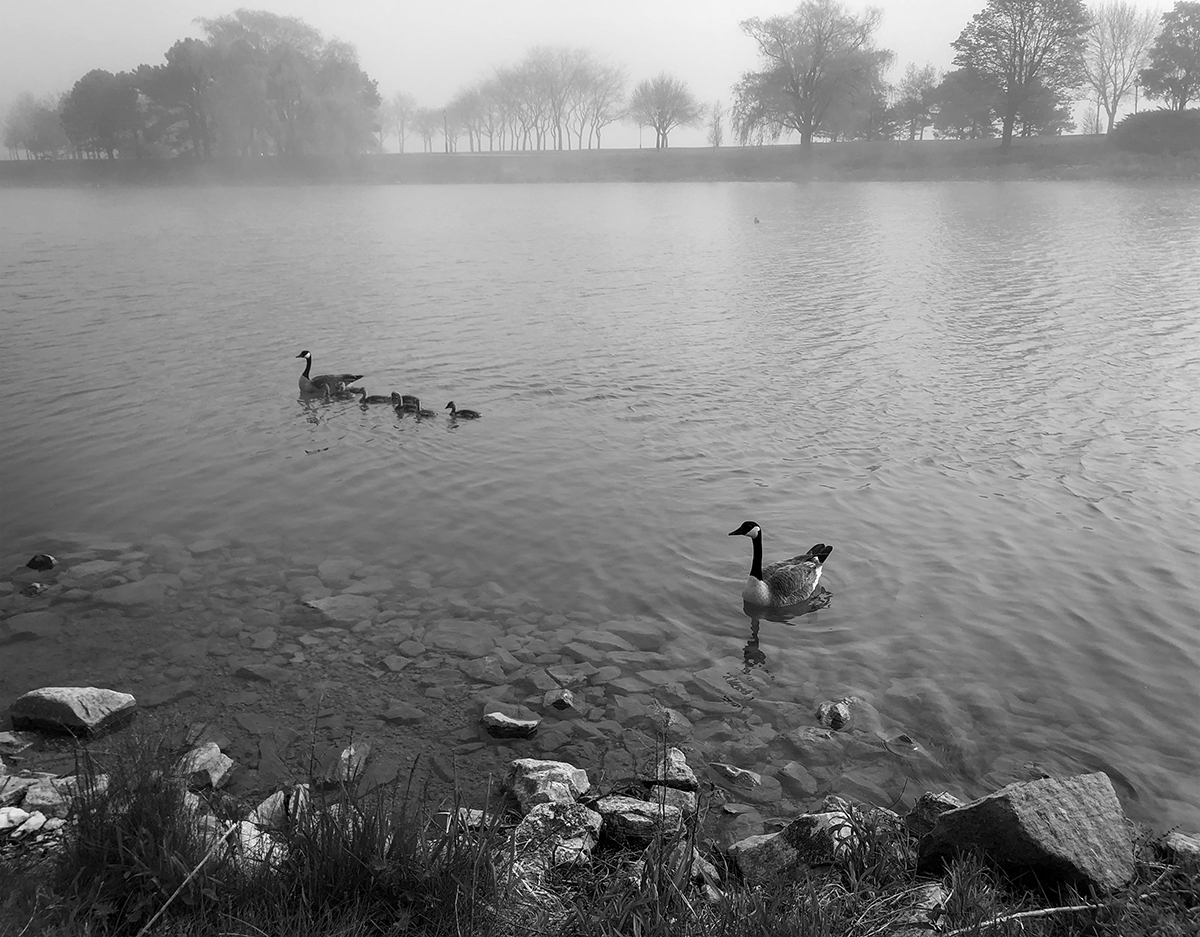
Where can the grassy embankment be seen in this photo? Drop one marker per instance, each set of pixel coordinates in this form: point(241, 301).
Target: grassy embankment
point(1077, 157)
point(135, 861)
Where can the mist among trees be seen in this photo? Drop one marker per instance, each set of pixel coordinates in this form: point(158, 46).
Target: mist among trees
point(259, 84)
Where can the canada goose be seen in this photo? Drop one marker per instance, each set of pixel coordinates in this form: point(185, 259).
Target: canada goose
point(374, 398)
point(404, 401)
point(314, 385)
point(787, 582)
point(457, 414)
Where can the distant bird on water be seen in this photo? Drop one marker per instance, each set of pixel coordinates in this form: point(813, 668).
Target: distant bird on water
point(461, 414)
point(756, 219)
point(788, 582)
point(321, 383)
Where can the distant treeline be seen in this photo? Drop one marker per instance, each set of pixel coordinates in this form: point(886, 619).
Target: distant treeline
point(261, 84)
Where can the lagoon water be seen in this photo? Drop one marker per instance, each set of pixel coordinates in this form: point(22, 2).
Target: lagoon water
point(985, 395)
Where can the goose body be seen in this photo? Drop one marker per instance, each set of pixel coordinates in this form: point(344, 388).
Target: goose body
point(374, 398)
point(787, 582)
point(457, 414)
point(411, 404)
point(319, 383)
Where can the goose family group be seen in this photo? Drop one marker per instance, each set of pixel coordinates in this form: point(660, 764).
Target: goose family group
point(338, 385)
point(783, 584)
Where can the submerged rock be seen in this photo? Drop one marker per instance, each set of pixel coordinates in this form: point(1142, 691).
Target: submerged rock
point(85, 710)
point(1063, 829)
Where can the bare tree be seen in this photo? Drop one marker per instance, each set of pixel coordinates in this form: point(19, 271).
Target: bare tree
point(427, 122)
point(399, 112)
point(914, 98)
point(1118, 47)
point(716, 124)
point(664, 103)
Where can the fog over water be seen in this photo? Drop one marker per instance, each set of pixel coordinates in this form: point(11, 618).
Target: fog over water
point(986, 396)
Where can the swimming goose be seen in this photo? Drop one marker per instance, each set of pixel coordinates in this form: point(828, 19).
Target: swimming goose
point(374, 398)
point(316, 385)
point(787, 582)
point(404, 401)
point(457, 414)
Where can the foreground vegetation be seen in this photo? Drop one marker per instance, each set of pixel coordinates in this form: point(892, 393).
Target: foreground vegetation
point(137, 860)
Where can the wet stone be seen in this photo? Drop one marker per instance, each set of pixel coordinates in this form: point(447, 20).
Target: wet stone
point(348, 609)
point(31, 626)
point(394, 663)
point(462, 638)
point(399, 713)
point(262, 640)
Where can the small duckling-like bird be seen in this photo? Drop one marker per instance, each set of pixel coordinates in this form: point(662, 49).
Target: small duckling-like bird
point(404, 401)
point(318, 383)
point(341, 392)
point(374, 398)
point(457, 414)
point(787, 582)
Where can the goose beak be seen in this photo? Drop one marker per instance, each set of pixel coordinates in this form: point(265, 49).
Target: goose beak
point(734, 533)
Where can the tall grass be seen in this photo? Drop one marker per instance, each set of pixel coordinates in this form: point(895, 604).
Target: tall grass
point(137, 853)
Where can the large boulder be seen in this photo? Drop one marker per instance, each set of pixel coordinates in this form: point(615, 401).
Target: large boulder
point(632, 821)
point(534, 781)
point(1063, 829)
point(563, 833)
point(79, 710)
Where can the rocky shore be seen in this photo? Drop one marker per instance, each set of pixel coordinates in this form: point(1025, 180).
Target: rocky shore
point(283, 678)
point(286, 653)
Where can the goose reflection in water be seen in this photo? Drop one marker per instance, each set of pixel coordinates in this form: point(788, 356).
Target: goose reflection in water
point(752, 655)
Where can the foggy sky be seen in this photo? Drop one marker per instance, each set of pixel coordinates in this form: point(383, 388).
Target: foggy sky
point(433, 48)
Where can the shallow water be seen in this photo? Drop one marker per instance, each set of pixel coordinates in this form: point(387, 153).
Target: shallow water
point(986, 396)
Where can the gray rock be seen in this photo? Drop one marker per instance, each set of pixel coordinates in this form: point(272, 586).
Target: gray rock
point(31, 626)
point(346, 609)
point(78, 710)
point(53, 796)
point(642, 634)
point(399, 713)
point(12, 789)
point(564, 833)
point(927, 809)
point(534, 781)
point(93, 568)
point(501, 726)
point(151, 590)
point(735, 822)
point(815, 839)
point(673, 771)
point(206, 765)
point(562, 700)
point(834, 714)
point(344, 766)
point(263, 640)
point(1180, 847)
point(463, 638)
point(268, 673)
point(11, 818)
point(1063, 829)
point(337, 570)
point(276, 811)
point(798, 779)
point(628, 820)
point(395, 663)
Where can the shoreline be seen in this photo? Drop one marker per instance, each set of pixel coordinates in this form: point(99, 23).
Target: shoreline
point(1050, 158)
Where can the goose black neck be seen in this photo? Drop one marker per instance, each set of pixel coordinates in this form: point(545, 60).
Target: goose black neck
point(756, 566)
point(307, 365)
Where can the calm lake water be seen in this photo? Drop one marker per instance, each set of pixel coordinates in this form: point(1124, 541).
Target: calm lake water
point(986, 396)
